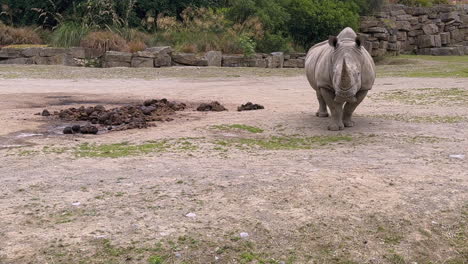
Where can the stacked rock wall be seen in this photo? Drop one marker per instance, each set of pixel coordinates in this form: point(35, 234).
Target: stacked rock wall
point(438, 30)
point(151, 57)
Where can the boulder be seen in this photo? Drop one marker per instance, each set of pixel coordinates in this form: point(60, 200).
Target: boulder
point(456, 36)
point(430, 29)
point(429, 41)
point(383, 45)
point(398, 12)
point(402, 35)
point(117, 59)
point(17, 61)
point(162, 56)
point(214, 58)
point(294, 63)
point(445, 17)
point(448, 51)
point(188, 59)
point(7, 53)
point(275, 60)
point(394, 46)
point(403, 25)
point(243, 61)
point(30, 52)
point(415, 33)
point(404, 17)
point(381, 36)
point(50, 52)
point(376, 30)
point(445, 38)
point(52, 60)
point(142, 62)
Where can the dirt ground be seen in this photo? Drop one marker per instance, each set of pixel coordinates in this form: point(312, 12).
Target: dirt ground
point(392, 189)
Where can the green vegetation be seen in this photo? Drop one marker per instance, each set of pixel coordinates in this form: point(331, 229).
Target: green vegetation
point(242, 26)
point(435, 119)
point(426, 96)
point(119, 150)
point(247, 128)
point(423, 66)
point(284, 143)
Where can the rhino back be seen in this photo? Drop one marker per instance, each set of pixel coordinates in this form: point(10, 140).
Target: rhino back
point(318, 65)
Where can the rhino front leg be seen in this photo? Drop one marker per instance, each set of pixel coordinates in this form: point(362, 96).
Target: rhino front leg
point(322, 111)
point(350, 107)
point(336, 110)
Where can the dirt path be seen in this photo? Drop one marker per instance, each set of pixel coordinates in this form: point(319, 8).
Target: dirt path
point(385, 191)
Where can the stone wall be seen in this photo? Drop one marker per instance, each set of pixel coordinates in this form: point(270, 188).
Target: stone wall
point(439, 30)
point(151, 57)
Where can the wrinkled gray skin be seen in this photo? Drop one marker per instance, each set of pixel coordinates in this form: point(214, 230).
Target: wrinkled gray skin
point(342, 72)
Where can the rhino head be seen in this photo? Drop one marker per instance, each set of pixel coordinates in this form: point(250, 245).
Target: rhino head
point(346, 67)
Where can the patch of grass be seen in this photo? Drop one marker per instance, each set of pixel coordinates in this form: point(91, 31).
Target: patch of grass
point(25, 46)
point(247, 128)
point(156, 259)
point(65, 72)
point(435, 119)
point(424, 66)
point(119, 150)
point(426, 96)
point(395, 258)
point(284, 142)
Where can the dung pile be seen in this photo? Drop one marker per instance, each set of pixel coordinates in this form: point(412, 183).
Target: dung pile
point(119, 118)
point(249, 107)
point(213, 106)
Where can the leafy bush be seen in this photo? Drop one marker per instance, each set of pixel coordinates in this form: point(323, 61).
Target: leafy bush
point(315, 20)
point(69, 34)
point(10, 35)
point(105, 41)
point(422, 2)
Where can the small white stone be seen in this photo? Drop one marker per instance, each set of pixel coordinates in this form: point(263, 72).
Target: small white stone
point(190, 215)
point(178, 255)
point(76, 203)
point(457, 156)
point(244, 235)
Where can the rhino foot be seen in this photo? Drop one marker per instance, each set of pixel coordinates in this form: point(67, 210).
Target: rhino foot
point(335, 127)
point(348, 123)
point(322, 114)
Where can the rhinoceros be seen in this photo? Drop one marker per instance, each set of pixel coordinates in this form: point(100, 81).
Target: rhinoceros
point(341, 72)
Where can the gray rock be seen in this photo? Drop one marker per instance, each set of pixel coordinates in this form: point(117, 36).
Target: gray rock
point(381, 36)
point(445, 38)
point(403, 25)
point(142, 62)
point(456, 36)
point(275, 60)
point(242, 61)
point(394, 46)
point(144, 54)
point(50, 52)
point(415, 33)
point(383, 45)
point(404, 17)
point(117, 59)
point(10, 53)
point(31, 52)
point(429, 41)
point(445, 17)
point(52, 60)
point(214, 58)
point(402, 35)
point(430, 29)
point(17, 61)
point(294, 63)
point(376, 30)
point(188, 59)
point(448, 51)
point(393, 38)
point(162, 56)
point(398, 12)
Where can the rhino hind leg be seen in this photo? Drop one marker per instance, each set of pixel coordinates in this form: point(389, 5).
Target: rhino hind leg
point(336, 110)
point(322, 111)
point(350, 107)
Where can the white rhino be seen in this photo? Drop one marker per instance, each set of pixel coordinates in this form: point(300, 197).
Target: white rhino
point(342, 72)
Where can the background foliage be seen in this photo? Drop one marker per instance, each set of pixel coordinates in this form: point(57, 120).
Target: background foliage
point(189, 25)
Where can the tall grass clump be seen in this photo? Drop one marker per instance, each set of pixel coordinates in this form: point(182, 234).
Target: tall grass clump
point(10, 35)
point(69, 34)
point(105, 41)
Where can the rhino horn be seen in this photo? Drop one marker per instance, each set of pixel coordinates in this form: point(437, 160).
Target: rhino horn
point(345, 82)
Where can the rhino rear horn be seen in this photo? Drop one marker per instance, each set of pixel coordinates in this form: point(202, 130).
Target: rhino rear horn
point(333, 41)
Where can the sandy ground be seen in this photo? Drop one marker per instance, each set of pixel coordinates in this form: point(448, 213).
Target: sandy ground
point(392, 194)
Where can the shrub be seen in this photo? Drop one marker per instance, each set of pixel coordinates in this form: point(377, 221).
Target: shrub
point(136, 45)
point(10, 35)
point(422, 2)
point(69, 34)
point(105, 41)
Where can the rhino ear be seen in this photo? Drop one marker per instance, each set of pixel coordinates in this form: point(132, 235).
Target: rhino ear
point(333, 41)
point(358, 41)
